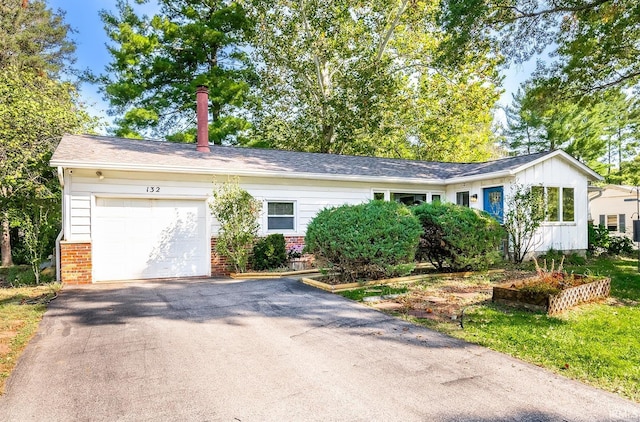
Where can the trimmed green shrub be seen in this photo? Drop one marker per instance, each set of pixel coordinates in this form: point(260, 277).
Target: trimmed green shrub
point(457, 237)
point(366, 241)
point(269, 252)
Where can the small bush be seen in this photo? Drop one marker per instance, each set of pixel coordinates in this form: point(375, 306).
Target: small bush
point(373, 240)
point(269, 252)
point(600, 240)
point(552, 254)
point(458, 237)
point(575, 259)
point(620, 245)
point(21, 275)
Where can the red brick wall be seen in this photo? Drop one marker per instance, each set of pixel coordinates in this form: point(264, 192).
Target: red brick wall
point(219, 264)
point(75, 263)
point(294, 241)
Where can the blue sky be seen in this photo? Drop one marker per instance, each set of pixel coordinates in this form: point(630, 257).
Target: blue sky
point(92, 54)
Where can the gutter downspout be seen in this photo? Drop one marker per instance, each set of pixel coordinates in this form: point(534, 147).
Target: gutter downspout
point(598, 191)
point(61, 234)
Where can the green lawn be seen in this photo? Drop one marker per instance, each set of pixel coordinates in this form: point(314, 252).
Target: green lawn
point(595, 343)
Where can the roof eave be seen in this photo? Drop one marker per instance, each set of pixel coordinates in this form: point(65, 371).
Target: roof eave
point(479, 177)
point(246, 173)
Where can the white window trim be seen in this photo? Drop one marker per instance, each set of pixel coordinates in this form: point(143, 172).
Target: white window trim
point(265, 217)
point(561, 221)
point(385, 192)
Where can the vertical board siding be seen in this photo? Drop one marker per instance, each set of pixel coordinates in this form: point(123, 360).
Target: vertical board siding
point(560, 236)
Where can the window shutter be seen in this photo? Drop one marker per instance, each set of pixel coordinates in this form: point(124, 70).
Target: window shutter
point(602, 222)
point(622, 227)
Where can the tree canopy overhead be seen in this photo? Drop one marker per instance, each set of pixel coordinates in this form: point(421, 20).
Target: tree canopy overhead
point(360, 78)
point(596, 42)
point(33, 37)
point(341, 77)
point(158, 61)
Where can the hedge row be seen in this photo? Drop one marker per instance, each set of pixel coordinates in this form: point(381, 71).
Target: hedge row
point(381, 239)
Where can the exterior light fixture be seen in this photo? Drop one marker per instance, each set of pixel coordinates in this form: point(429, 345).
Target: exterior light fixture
point(474, 197)
point(99, 174)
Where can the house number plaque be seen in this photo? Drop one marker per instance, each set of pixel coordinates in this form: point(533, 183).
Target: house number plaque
point(153, 189)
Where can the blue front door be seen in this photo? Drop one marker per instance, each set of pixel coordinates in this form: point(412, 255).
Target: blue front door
point(494, 202)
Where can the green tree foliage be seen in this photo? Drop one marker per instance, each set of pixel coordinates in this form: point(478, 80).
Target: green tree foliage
point(596, 42)
point(524, 132)
point(622, 134)
point(458, 237)
point(525, 212)
point(373, 240)
point(35, 111)
point(237, 213)
point(33, 37)
point(269, 252)
point(601, 130)
point(628, 174)
point(159, 61)
point(356, 78)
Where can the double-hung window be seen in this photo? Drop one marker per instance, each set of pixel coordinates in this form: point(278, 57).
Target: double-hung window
point(281, 215)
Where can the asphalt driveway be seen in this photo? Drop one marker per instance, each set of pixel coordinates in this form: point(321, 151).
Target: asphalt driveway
point(275, 350)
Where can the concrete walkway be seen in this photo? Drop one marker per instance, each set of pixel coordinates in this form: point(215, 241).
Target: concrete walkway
point(270, 350)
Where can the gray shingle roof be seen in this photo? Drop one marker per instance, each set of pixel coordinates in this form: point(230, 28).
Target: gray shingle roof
point(102, 151)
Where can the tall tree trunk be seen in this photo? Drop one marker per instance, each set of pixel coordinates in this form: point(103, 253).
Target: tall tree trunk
point(5, 243)
point(620, 150)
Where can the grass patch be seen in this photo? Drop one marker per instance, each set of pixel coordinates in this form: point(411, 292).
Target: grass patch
point(21, 310)
point(596, 343)
point(359, 294)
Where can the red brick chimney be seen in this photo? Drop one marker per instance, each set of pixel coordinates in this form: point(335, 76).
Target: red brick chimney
point(202, 117)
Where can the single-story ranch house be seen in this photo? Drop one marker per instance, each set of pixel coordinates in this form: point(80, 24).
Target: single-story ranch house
point(138, 209)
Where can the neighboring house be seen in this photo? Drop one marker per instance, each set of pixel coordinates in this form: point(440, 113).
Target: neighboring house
point(136, 209)
point(614, 207)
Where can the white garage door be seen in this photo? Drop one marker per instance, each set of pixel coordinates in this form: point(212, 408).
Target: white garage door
point(149, 238)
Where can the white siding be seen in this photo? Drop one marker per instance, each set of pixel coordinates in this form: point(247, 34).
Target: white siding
point(554, 172)
point(310, 196)
point(80, 215)
point(83, 186)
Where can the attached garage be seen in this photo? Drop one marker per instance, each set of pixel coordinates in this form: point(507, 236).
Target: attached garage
point(149, 238)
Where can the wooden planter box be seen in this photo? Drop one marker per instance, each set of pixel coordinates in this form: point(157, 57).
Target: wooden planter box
point(510, 294)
